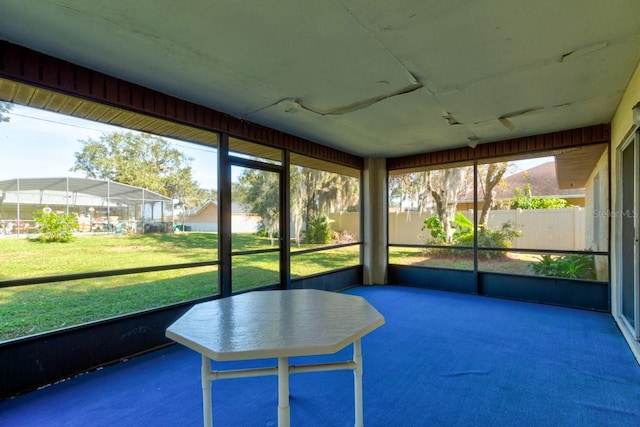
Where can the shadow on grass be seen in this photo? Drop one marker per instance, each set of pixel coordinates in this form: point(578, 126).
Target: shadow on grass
point(27, 310)
point(191, 240)
point(324, 260)
point(420, 258)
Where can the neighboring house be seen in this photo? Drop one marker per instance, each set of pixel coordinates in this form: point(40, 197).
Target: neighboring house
point(243, 221)
point(543, 180)
point(205, 218)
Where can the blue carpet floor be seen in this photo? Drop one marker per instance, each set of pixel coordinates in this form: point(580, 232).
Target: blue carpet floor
point(441, 359)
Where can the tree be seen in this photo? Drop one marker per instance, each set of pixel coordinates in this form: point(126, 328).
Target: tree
point(410, 188)
point(141, 160)
point(316, 192)
point(444, 186)
point(313, 193)
point(5, 107)
point(258, 191)
point(490, 176)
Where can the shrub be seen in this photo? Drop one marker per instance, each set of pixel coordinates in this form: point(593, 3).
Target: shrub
point(464, 236)
point(54, 227)
point(318, 230)
point(528, 201)
point(500, 238)
point(573, 266)
point(263, 231)
point(463, 229)
point(436, 230)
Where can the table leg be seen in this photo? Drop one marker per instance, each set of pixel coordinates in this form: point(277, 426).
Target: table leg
point(357, 382)
point(206, 392)
point(283, 392)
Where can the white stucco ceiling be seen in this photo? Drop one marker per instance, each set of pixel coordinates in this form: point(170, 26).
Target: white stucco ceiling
point(371, 77)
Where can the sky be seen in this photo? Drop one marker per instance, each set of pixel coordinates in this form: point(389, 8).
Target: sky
point(37, 143)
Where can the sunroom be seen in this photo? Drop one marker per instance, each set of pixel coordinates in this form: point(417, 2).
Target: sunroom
point(351, 131)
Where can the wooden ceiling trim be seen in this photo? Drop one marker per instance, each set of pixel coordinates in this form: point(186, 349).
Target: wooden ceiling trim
point(596, 134)
point(23, 65)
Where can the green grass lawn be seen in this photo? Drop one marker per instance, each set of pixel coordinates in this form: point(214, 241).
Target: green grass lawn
point(26, 310)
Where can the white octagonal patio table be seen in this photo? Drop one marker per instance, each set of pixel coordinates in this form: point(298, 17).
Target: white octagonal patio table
point(277, 324)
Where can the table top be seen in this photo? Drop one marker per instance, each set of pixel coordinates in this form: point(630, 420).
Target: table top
point(269, 324)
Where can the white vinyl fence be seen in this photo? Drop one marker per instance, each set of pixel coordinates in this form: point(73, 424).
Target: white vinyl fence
point(562, 229)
